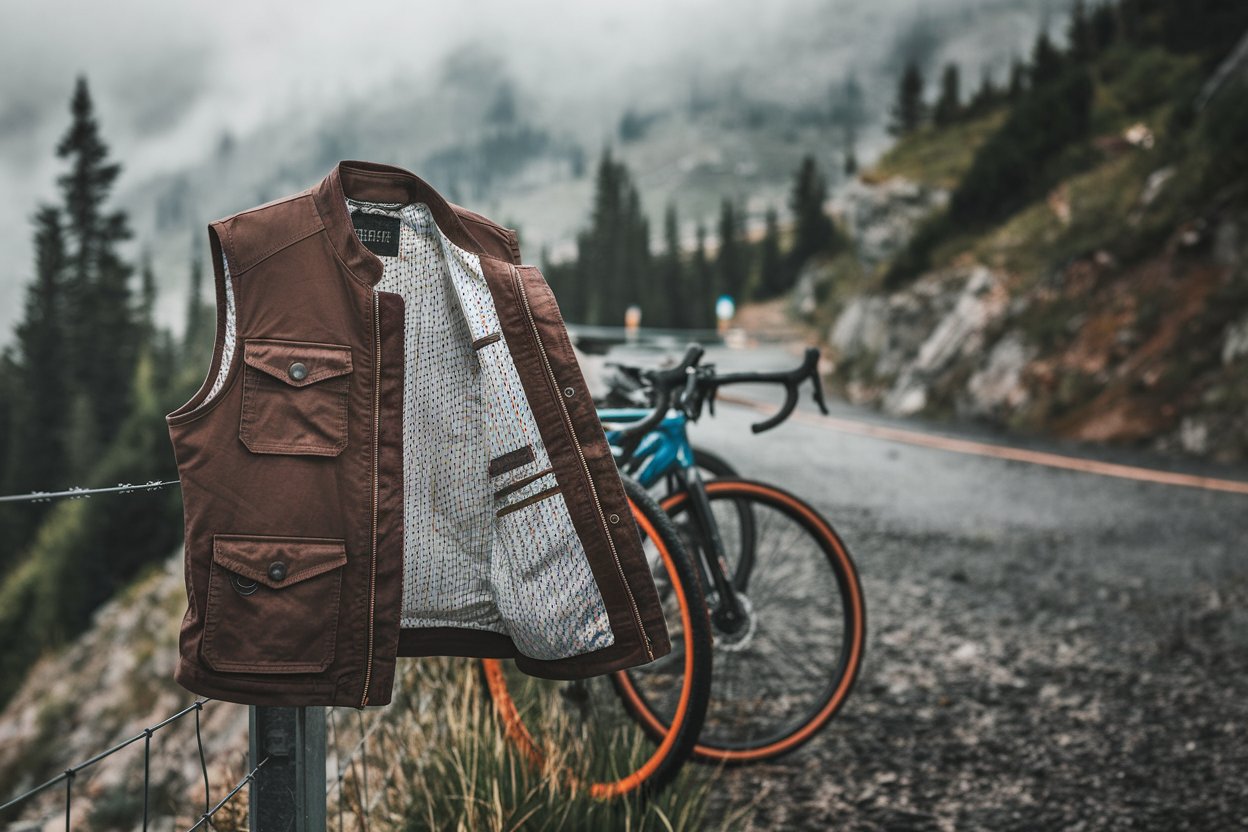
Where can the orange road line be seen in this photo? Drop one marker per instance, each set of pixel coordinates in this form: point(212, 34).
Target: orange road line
point(968, 446)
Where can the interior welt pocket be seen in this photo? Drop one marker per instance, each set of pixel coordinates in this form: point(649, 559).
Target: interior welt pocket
point(272, 604)
point(525, 502)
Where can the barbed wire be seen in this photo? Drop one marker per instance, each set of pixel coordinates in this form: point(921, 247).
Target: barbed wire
point(77, 492)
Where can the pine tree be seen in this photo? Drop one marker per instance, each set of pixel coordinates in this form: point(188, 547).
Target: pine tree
point(986, 97)
point(672, 272)
point(1046, 61)
point(613, 254)
point(949, 105)
point(704, 280)
point(730, 260)
point(849, 111)
point(909, 111)
point(100, 325)
point(1018, 80)
point(197, 310)
point(814, 232)
point(38, 459)
point(771, 262)
point(1079, 35)
point(641, 281)
point(146, 312)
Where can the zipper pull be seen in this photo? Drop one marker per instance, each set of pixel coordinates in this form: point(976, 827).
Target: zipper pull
point(649, 646)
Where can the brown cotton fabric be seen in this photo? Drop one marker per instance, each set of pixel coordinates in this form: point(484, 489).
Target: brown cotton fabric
point(394, 453)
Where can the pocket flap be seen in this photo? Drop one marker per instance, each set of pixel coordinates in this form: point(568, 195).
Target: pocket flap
point(276, 561)
point(279, 358)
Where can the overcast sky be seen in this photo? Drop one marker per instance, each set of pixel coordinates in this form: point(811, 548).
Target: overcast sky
point(168, 77)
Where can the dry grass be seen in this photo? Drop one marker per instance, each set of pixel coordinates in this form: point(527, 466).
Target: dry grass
point(436, 758)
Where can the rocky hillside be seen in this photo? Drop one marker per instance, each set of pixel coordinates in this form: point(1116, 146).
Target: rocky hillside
point(1112, 307)
point(106, 687)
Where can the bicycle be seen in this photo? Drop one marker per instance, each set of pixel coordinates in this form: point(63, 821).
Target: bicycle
point(582, 730)
point(777, 575)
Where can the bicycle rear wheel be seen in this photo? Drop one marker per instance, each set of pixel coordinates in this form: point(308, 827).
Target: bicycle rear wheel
point(789, 668)
point(580, 730)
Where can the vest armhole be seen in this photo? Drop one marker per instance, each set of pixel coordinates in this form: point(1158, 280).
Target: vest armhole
point(212, 388)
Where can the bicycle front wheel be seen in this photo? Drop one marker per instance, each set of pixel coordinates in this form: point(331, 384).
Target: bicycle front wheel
point(580, 731)
point(785, 670)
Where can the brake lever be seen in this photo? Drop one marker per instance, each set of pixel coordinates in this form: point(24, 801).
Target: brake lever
point(816, 382)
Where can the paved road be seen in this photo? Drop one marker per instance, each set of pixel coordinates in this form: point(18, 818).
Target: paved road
point(1047, 648)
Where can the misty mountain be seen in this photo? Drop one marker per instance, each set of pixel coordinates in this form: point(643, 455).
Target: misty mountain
point(507, 116)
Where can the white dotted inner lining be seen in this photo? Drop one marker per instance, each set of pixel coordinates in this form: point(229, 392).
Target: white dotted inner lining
point(524, 574)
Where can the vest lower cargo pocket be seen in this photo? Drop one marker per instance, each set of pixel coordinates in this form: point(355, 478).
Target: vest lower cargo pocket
point(295, 396)
point(272, 603)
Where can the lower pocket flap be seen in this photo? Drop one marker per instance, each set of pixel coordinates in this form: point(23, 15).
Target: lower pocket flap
point(277, 561)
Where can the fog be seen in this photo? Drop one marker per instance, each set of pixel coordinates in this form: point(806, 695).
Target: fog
point(170, 80)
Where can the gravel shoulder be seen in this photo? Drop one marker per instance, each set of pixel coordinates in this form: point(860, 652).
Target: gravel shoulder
point(1046, 649)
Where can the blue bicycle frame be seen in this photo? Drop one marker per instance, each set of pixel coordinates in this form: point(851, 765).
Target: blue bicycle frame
point(663, 450)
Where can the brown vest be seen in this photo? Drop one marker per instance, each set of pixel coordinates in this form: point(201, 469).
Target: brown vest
point(394, 453)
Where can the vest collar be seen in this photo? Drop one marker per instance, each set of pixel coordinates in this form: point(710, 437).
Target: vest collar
point(376, 182)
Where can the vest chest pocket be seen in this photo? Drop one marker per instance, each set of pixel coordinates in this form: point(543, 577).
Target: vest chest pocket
point(272, 603)
point(294, 397)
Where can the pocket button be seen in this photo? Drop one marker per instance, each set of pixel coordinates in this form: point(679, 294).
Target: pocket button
point(277, 570)
point(297, 370)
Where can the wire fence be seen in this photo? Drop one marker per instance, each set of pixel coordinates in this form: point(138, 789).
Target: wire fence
point(67, 776)
point(76, 492)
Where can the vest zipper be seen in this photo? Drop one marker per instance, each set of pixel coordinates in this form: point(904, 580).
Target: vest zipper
point(372, 568)
point(567, 418)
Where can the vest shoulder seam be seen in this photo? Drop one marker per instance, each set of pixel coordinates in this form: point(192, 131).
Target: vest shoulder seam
point(241, 261)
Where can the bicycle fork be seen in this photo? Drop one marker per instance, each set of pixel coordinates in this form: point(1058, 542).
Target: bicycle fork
point(728, 614)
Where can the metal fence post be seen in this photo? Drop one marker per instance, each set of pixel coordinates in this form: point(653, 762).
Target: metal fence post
point(288, 794)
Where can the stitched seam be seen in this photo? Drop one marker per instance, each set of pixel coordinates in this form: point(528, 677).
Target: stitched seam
point(281, 244)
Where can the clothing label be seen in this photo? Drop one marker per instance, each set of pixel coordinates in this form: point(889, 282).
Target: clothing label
point(378, 233)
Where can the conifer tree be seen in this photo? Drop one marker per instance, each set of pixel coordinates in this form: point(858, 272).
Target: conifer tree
point(909, 110)
point(99, 320)
point(146, 312)
point(949, 105)
point(672, 272)
point(1018, 80)
point(1046, 61)
point(849, 111)
point(197, 309)
point(704, 279)
point(814, 232)
point(38, 457)
point(985, 97)
point(730, 261)
point(1079, 34)
point(771, 262)
point(613, 254)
